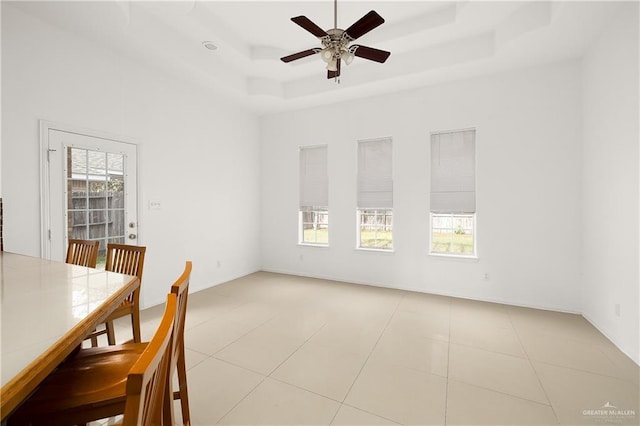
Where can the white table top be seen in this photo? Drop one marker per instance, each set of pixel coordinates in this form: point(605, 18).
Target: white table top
point(46, 305)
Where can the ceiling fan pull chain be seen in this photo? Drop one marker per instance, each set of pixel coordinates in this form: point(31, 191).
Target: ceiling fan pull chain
point(335, 13)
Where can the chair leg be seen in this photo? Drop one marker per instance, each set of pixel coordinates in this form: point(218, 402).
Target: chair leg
point(111, 335)
point(135, 325)
point(168, 417)
point(94, 341)
point(182, 392)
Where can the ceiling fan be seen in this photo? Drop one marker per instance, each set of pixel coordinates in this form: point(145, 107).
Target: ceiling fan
point(335, 42)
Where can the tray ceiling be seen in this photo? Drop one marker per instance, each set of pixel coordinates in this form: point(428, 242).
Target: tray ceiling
point(431, 42)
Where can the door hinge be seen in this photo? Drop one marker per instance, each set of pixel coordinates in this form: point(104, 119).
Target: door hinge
point(49, 232)
point(49, 151)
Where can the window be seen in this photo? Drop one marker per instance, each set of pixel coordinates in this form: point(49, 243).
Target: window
point(453, 193)
point(314, 198)
point(452, 233)
point(375, 195)
point(314, 226)
point(375, 229)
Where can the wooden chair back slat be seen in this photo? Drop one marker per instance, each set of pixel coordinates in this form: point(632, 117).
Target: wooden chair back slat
point(83, 252)
point(125, 259)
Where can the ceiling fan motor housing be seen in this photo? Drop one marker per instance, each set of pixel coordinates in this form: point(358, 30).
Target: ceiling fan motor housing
point(336, 42)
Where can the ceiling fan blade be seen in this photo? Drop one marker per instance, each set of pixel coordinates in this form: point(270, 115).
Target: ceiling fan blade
point(370, 53)
point(306, 23)
point(300, 55)
point(334, 74)
point(364, 25)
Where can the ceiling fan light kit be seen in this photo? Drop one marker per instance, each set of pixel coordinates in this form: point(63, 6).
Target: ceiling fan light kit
point(336, 42)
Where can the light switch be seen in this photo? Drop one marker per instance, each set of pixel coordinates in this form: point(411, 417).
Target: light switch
point(155, 205)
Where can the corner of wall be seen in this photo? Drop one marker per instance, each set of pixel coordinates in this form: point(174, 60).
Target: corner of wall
point(610, 158)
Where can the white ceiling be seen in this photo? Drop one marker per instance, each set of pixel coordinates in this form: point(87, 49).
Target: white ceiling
point(431, 42)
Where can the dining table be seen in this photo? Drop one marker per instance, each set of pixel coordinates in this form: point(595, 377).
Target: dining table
point(47, 309)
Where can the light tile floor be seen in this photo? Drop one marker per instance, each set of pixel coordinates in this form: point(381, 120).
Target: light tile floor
point(278, 349)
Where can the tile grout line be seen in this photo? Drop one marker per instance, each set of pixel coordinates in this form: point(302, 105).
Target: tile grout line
point(207, 356)
point(369, 356)
point(258, 372)
point(526, 353)
point(593, 373)
point(491, 351)
point(304, 389)
point(215, 316)
point(238, 338)
point(597, 346)
point(241, 399)
point(212, 356)
point(297, 349)
point(331, 399)
point(264, 377)
point(368, 412)
point(446, 389)
point(501, 392)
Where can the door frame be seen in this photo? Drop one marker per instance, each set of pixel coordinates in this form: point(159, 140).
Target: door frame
point(45, 173)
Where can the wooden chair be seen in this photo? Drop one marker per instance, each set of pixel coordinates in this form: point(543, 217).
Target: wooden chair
point(93, 381)
point(181, 289)
point(149, 380)
point(83, 252)
point(129, 260)
point(105, 382)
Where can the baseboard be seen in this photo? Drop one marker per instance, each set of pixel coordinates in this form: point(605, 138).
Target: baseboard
point(194, 288)
point(605, 334)
point(416, 290)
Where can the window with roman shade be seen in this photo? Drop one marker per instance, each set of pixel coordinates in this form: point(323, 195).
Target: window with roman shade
point(375, 194)
point(314, 196)
point(375, 183)
point(453, 192)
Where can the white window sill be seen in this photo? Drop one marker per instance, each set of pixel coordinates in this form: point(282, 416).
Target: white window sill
point(374, 250)
point(313, 245)
point(452, 256)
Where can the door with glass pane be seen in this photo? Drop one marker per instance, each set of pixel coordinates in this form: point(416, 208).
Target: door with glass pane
point(92, 191)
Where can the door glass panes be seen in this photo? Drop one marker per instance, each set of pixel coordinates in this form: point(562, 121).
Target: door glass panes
point(95, 197)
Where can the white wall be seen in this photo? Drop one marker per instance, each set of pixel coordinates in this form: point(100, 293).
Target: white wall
point(610, 183)
point(528, 187)
point(198, 154)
